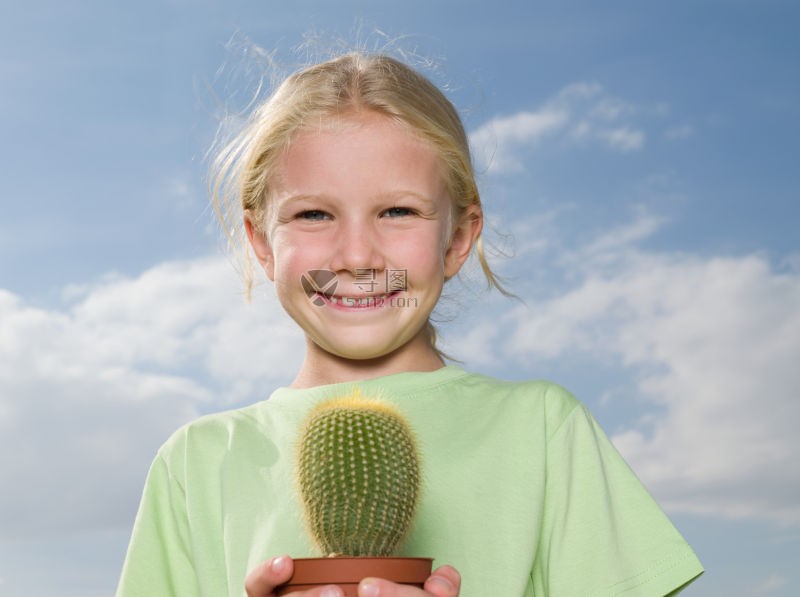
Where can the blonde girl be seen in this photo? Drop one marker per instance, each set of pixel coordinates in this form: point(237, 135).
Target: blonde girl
point(360, 167)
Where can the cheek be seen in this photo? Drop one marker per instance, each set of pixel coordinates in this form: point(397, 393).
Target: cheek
point(294, 255)
point(424, 257)
point(443, 240)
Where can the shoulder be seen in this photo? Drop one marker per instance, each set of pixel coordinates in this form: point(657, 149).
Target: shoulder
point(544, 399)
point(550, 392)
point(217, 424)
point(210, 435)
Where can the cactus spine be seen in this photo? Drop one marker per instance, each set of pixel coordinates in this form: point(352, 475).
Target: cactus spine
point(359, 479)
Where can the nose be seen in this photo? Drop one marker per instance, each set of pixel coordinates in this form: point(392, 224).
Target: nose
point(357, 247)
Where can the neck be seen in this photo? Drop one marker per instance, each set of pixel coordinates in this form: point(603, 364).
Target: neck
point(321, 367)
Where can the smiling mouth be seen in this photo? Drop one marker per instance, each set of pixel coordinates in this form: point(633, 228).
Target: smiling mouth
point(370, 301)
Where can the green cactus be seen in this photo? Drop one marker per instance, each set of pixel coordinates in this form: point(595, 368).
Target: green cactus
point(359, 479)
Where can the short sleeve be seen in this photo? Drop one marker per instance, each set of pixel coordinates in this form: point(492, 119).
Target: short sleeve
point(159, 560)
point(602, 533)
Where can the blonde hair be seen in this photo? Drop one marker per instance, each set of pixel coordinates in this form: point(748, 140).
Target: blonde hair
point(244, 169)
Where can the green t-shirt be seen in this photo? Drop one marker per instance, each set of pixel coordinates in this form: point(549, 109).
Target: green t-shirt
point(522, 493)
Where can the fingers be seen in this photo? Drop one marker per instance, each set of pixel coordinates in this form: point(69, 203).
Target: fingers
point(443, 582)
point(262, 580)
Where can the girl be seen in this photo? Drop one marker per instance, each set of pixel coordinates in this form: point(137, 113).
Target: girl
point(358, 199)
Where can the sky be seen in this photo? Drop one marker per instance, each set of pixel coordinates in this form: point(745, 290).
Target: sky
point(638, 166)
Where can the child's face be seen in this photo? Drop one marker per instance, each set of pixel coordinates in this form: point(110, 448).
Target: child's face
point(365, 200)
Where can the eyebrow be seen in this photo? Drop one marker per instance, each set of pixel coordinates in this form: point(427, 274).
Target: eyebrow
point(401, 193)
point(389, 195)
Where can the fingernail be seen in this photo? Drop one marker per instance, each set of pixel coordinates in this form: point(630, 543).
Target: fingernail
point(331, 592)
point(279, 564)
point(368, 588)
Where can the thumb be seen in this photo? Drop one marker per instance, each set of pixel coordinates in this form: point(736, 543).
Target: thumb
point(262, 580)
point(445, 581)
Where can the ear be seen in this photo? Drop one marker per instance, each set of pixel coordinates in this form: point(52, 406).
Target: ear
point(261, 247)
point(464, 236)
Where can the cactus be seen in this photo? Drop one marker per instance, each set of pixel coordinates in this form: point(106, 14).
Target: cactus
point(359, 479)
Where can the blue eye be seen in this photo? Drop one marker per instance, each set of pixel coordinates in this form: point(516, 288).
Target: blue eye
point(398, 212)
point(312, 214)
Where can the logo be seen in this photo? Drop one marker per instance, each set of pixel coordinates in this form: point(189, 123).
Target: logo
point(320, 286)
point(319, 283)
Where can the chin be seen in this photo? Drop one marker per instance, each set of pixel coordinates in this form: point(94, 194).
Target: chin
point(364, 351)
point(361, 353)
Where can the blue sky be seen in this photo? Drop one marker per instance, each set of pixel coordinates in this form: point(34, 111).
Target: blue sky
point(639, 160)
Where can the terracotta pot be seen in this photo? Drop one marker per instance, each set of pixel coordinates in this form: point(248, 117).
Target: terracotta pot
point(347, 572)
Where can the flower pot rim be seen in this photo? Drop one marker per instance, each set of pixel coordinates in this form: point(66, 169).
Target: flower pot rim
point(348, 571)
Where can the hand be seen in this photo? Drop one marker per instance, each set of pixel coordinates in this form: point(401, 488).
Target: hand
point(262, 580)
point(445, 581)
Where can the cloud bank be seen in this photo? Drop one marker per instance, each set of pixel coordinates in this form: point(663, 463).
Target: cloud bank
point(711, 346)
point(89, 391)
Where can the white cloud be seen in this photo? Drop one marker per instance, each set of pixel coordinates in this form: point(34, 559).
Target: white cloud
point(88, 391)
point(623, 138)
point(773, 583)
point(495, 141)
point(613, 248)
point(711, 343)
point(579, 113)
point(679, 132)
